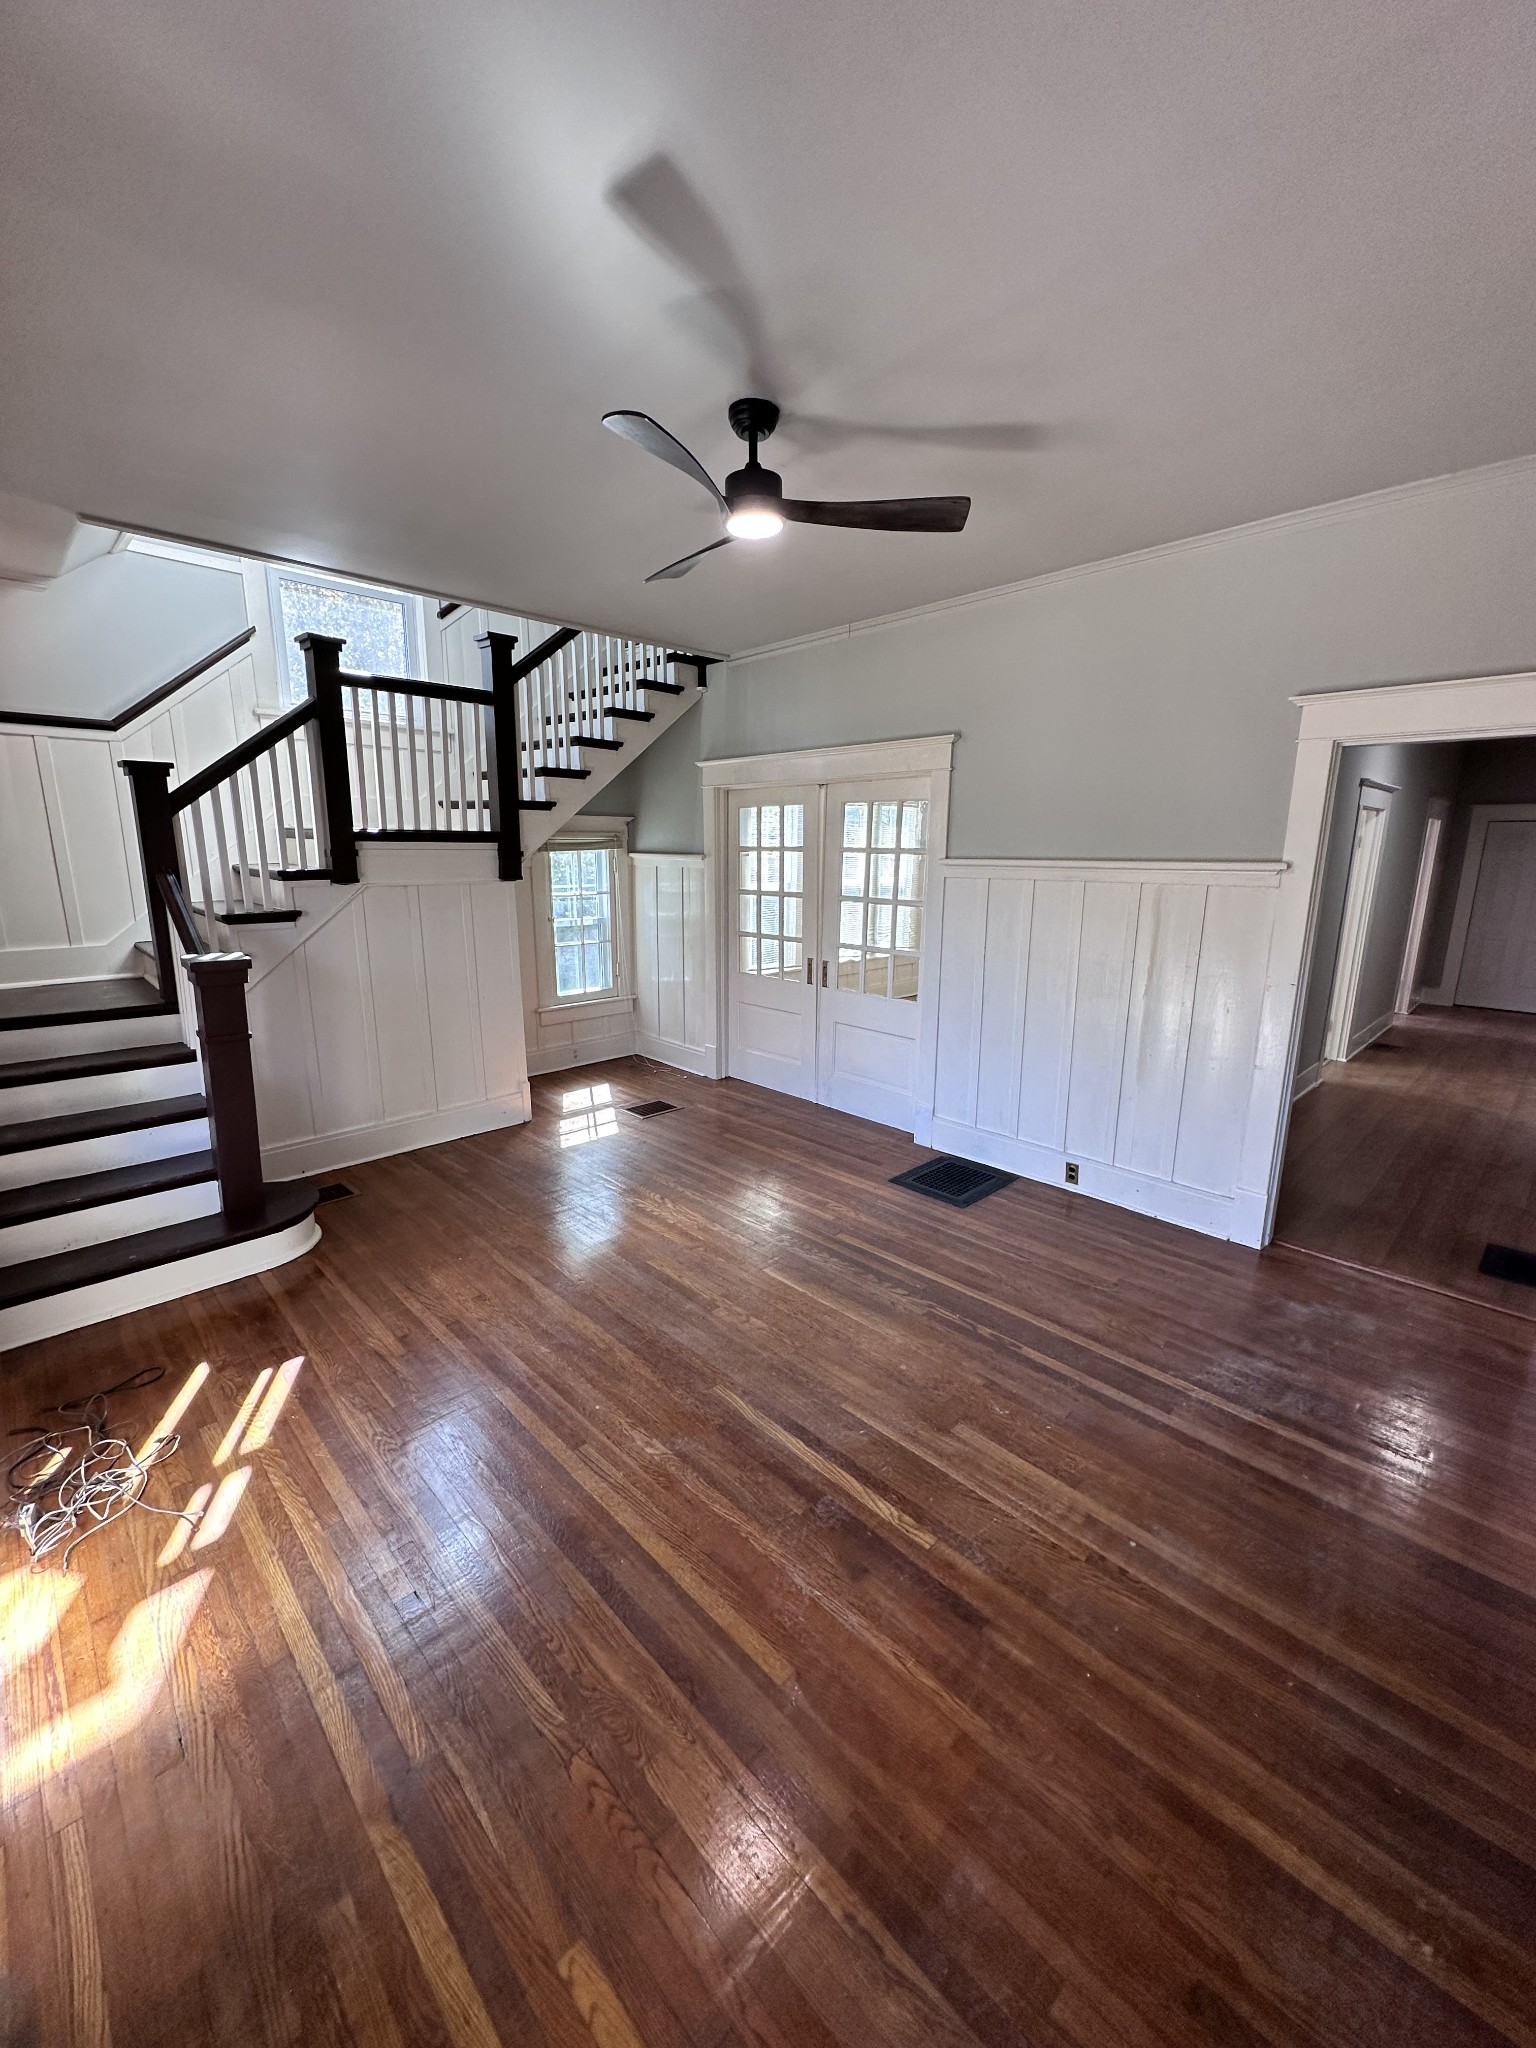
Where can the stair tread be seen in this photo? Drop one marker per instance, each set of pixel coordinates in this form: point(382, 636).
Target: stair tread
point(623, 711)
point(92, 1190)
point(287, 1203)
point(35, 1132)
point(80, 1066)
point(75, 1002)
point(260, 916)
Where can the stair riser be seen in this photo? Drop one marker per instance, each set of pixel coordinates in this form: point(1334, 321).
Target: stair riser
point(99, 1091)
point(95, 1155)
point(51, 1234)
point(52, 1041)
point(76, 1307)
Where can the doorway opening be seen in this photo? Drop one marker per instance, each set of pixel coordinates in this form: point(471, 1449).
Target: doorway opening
point(1413, 1126)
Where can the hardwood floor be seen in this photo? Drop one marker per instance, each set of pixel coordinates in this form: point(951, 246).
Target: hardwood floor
point(695, 1592)
point(1420, 1152)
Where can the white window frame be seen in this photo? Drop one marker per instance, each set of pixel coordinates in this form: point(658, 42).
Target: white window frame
point(611, 835)
point(415, 623)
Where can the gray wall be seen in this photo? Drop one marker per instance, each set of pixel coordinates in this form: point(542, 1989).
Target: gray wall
point(662, 791)
point(101, 636)
point(1140, 709)
point(1419, 773)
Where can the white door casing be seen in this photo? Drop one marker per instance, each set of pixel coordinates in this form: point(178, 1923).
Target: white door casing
point(727, 785)
point(1423, 895)
point(1355, 926)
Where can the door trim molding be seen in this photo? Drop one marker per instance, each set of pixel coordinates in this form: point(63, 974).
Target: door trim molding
point(1479, 818)
point(855, 763)
point(863, 761)
point(1477, 707)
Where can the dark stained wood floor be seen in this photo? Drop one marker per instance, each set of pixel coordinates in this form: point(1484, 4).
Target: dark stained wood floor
point(698, 1593)
point(1421, 1151)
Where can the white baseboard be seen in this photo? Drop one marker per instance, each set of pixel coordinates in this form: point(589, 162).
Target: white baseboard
point(554, 1059)
point(1369, 1033)
point(1213, 1215)
point(1306, 1080)
point(671, 1052)
point(29, 1321)
point(299, 1157)
point(20, 965)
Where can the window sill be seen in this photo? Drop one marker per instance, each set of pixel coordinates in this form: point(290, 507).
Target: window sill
point(589, 1006)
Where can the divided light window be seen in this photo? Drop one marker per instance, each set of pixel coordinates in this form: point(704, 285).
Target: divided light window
point(382, 628)
point(770, 889)
point(581, 890)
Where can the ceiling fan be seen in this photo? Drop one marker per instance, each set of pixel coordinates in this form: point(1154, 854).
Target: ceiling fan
point(753, 501)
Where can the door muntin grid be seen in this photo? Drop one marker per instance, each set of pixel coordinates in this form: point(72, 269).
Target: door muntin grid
point(770, 890)
point(883, 849)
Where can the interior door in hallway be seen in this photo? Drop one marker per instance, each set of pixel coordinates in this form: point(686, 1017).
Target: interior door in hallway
point(774, 838)
point(872, 934)
point(1498, 969)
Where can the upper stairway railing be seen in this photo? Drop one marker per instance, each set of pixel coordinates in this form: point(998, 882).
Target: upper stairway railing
point(366, 758)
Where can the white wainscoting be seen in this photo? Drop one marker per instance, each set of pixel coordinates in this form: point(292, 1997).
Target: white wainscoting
point(71, 895)
point(1108, 1015)
point(391, 1015)
point(672, 969)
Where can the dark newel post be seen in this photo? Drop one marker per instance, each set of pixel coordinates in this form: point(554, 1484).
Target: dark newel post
point(224, 1032)
point(506, 766)
point(322, 664)
point(150, 782)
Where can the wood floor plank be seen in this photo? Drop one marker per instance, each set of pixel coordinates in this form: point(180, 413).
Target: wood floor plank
point(686, 1591)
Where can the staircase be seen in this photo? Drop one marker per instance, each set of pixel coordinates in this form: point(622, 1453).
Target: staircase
point(130, 1163)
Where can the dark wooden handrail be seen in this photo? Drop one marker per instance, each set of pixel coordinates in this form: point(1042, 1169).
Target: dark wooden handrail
point(180, 911)
point(137, 709)
point(241, 756)
point(562, 637)
point(411, 686)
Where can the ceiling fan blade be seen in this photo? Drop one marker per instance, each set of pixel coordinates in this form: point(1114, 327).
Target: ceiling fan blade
point(650, 435)
point(882, 515)
point(675, 569)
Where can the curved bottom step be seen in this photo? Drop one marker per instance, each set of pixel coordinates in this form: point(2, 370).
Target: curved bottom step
point(45, 1297)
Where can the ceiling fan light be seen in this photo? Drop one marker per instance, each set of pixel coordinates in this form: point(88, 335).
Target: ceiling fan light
point(754, 522)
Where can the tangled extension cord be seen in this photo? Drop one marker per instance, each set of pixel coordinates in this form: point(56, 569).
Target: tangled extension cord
point(57, 1485)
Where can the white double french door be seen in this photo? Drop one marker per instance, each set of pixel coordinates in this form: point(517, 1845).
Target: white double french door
point(824, 958)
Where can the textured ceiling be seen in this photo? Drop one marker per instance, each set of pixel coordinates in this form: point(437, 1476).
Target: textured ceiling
point(354, 283)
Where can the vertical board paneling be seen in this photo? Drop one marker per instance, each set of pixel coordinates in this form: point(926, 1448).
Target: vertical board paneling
point(1050, 993)
point(503, 1051)
point(1224, 1033)
point(695, 965)
point(452, 1004)
point(88, 836)
point(962, 957)
point(1005, 971)
point(398, 995)
point(281, 1053)
point(670, 965)
point(1105, 959)
point(31, 903)
point(1157, 1037)
point(341, 1013)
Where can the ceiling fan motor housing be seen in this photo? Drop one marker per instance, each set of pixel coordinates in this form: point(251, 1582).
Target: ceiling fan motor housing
point(754, 485)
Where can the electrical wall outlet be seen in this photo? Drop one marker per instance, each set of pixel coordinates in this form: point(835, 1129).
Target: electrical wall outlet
point(1071, 1173)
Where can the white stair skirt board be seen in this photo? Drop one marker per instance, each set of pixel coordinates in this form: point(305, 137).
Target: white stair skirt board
point(30, 1321)
point(95, 1155)
point(305, 1156)
point(66, 1233)
point(99, 1091)
point(100, 1034)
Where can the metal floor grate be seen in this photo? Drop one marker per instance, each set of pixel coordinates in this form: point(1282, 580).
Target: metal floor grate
point(1503, 1262)
point(956, 1181)
point(657, 1108)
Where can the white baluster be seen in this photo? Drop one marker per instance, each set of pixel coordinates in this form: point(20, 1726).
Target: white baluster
point(259, 832)
point(301, 857)
point(378, 757)
point(410, 741)
point(360, 785)
point(226, 873)
point(394, 749)
point(204, 874)
point(237, 814)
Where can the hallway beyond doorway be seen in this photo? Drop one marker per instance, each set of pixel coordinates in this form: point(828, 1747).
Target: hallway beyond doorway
point(1421, 1151)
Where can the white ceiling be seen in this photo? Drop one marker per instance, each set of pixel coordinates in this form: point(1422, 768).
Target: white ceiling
point(347, 281)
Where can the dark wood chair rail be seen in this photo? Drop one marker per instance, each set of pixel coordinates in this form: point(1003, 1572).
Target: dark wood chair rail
point(157, 695)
